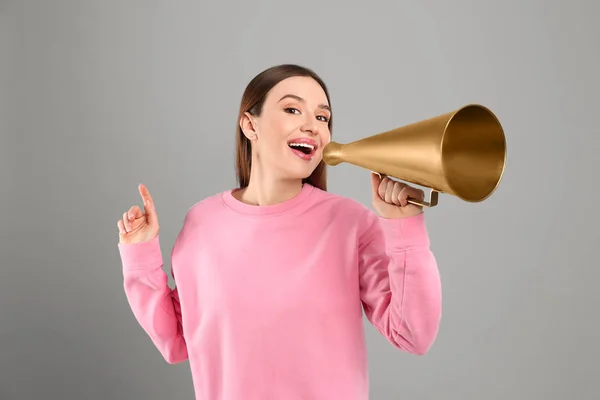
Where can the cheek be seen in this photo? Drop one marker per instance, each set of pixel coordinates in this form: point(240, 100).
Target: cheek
point(279, 129)
point(325, 138)
point(273, 140)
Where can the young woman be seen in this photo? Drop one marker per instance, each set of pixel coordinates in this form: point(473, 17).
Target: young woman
point(272, 277)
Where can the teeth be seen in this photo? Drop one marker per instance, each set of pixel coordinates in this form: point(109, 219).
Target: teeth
point(302, 145)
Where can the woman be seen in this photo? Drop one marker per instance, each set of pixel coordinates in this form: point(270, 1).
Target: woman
point(270, 277)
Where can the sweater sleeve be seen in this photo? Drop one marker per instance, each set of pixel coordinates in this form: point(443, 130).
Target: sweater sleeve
point(154, 304)
point(400, 284)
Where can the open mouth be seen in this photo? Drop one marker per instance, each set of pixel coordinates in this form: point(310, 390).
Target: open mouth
point(304, 148)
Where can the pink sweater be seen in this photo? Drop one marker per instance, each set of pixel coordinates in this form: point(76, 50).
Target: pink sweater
point(267, 304)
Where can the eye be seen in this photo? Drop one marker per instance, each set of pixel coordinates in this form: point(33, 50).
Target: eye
point(323, 118)
point(291, 110)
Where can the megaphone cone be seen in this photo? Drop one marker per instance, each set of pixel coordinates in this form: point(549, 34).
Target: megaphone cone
point(462, 153)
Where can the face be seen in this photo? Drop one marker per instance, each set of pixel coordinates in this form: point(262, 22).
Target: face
point(289, 136)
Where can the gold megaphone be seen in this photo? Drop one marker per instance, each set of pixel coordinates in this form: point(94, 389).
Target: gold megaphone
point(462, 153)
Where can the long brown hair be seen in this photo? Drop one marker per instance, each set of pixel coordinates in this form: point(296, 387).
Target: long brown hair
point(252, 102)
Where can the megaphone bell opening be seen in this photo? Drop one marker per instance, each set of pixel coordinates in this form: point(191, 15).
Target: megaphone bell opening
point(473, 153)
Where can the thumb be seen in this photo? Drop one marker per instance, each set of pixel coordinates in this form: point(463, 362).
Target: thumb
point(376, 179)
point(148, 204)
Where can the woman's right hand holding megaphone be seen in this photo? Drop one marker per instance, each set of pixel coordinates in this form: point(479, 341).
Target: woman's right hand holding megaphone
point(137, 226)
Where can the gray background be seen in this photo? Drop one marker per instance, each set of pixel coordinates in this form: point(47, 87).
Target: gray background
point(97, 96)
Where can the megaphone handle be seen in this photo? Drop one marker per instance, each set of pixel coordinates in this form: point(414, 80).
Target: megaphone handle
point(433, 196)
point(433, 200)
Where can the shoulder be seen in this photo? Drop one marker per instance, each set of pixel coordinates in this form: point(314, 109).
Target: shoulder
point(201, 213)
point(349, 215)
point(204, 207)
point(207, 204)
point(344, 206)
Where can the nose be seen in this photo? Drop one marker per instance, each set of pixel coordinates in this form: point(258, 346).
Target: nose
point(310, 127)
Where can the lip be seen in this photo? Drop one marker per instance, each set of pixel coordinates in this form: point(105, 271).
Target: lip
point(306, 141)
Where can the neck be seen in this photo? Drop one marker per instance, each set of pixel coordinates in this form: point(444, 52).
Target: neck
point(263, 190)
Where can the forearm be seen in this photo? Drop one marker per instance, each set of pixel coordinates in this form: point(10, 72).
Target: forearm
point(154, 304)
point(400, 283)
point(416, 295)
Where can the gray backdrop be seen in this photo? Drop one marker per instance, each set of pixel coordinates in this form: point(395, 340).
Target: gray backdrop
point(97, 96)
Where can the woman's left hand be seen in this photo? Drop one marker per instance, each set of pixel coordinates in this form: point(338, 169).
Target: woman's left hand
point(390, 198)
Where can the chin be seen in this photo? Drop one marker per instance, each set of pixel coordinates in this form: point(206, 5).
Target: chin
point(301, 167)
point(301, 172)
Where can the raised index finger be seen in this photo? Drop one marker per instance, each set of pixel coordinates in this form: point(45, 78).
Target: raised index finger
point(146, 198)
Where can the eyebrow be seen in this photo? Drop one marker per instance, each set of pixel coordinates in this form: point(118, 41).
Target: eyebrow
point(293, 96)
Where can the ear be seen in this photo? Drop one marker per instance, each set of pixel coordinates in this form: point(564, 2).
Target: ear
point(248, 126)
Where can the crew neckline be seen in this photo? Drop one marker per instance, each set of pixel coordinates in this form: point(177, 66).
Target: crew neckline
point(251, 210)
